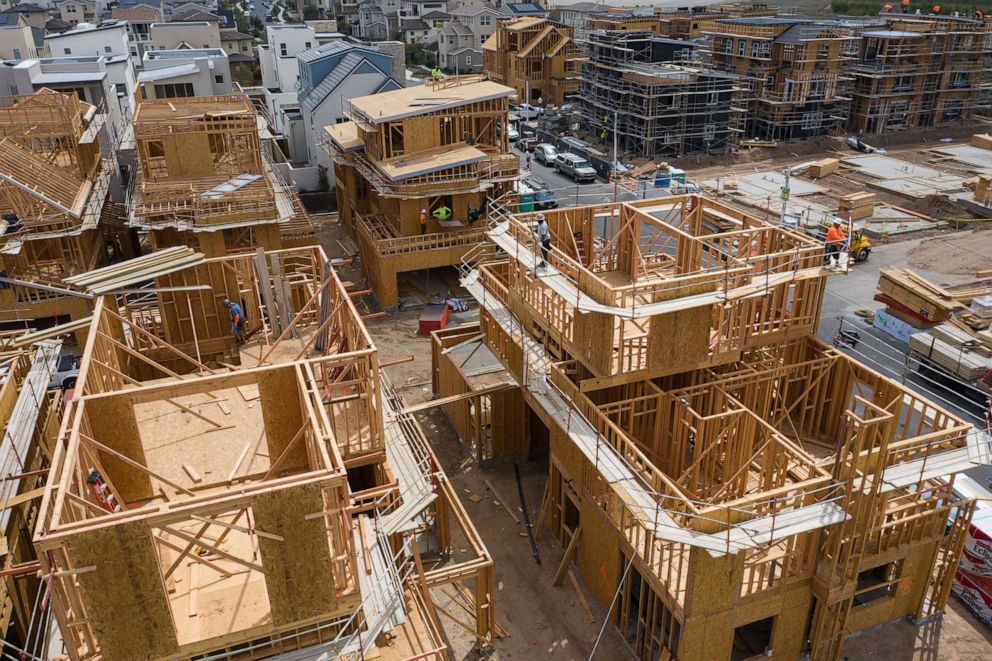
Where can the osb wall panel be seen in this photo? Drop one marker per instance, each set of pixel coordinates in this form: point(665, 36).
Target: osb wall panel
point(713, 583)
point(707, 638)
point(124, 597)
point(598, 555)
point(679, 338)
point(114, 424)
point(279, 392)
point(298, 572)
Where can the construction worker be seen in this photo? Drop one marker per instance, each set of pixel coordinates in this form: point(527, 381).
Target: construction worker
point(442, 213)
point(237, 320)
point(935, 11)
point(602, 137)
point(979, 15)
point(544, 238)
point(435, 74)
point(905, 6)
point(835, 243)
point(473, 214)
point(423, 221)
point(887, 9)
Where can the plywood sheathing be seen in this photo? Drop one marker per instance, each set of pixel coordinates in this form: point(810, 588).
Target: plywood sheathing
point(114, 424)
point(125, 597)
point(279, 391)
point(298, 573)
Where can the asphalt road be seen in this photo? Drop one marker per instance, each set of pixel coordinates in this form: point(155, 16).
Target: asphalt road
point(571, 194)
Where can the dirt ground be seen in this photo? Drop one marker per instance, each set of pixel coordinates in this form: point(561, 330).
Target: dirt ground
point(961, 253)
point(547, 622)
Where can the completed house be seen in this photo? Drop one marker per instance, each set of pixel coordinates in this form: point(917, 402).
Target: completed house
point(16, 38)
point(77, 11)
point(139, 20)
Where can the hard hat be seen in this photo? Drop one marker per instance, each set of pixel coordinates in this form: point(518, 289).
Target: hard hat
point(423, 211)
point(540, 217)
point(227, 302)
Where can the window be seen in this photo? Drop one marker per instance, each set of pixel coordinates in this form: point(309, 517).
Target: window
point(206, 46)
point(753, 639)
point(713, 99)
point(307, 45)
point(17, 53)
point(741, 45)
point(754, 48)
point(68, 51)
point(484, 20)
point(709, 132)
point(468, 60)
point(812, 121)
point(877, 583)
point(817, 90)
point(728, 46)
point(451, 41)
point(770, 80)
point(173, 90)
point(219, 79)
point(766, 48)
point(106, 49)
point(11, 90)
point(282, 50)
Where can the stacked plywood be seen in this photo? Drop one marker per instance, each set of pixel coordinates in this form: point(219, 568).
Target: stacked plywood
point(856, 206)
point(823, 167)
point(138, 270)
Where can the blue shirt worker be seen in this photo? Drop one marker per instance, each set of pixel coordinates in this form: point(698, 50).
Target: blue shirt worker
point(237, 320)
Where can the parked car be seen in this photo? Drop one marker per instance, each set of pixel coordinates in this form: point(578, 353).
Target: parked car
point(545, 153)
point(575, 167)
point(527, 112)
point(544, 197)
point(512, 134)
point(66, 371)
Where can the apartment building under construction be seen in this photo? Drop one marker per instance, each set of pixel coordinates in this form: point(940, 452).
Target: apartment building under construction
point(632, 83)
point(535, 56)
point(794, 73)
point(58, 218)
point(691, 22)
point(919, 72)
point(282, 504)
point(203, 179)
point(727, 485)
point(440, 148)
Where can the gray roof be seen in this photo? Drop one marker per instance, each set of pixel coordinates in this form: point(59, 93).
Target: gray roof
point(434, 15)
point(583, 7)
point(230, 35)
point(345, 67)
point(456, 29)
point(329, 48)
point(415, 24)
point(472, 10)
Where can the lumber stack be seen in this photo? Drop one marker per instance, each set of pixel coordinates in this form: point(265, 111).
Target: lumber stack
point(133, 271)
point(955, 350)
point(983, 140)
point(856, 206)
point(914, 299)
point(983, 189)
point(823, 167)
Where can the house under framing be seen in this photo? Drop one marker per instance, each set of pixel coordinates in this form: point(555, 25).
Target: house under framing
point(57, 216)
point(725, 483)
point(283, 505)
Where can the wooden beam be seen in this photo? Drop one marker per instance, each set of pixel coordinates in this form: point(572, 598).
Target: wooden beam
point(213, 549)
point(134, 464)
point(451, 399)
point(231, 526)
point(573, 544)
point(203, 561)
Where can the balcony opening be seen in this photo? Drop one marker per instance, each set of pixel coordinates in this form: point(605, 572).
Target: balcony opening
point(753, 640)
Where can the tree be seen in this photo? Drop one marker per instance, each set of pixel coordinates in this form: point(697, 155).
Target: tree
point(310, 13)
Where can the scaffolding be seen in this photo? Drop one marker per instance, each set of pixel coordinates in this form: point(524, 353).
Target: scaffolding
point(793, 73)
point(761, 488)
point(659, 109)
point(920, 72)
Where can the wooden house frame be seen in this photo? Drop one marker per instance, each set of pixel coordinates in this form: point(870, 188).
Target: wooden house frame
point(421, 147)
point(294, 471)
point(794, 73)
point(54, 195)
point(535, 54)
point(747, 490)
point(203, 173)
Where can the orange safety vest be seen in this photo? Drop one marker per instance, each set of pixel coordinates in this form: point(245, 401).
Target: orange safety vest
point(835, 235)
point(423, 219)
point(905, 3)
